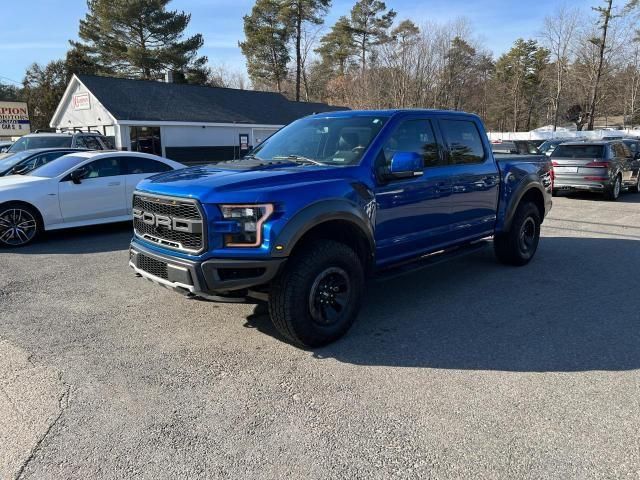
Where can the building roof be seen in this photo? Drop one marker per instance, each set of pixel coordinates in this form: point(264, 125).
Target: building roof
point(147, 100)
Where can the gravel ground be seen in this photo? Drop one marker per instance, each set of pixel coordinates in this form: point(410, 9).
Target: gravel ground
point(466, 370)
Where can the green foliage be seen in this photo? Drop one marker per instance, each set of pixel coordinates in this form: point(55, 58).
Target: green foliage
point(43, 88)
point(370, 23)
point(338, 47)
point(265, 46)
point(140, 39)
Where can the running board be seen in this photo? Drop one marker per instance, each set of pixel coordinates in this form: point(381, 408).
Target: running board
point(430, 260)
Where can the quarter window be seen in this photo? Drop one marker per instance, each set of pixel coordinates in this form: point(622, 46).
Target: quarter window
point(463, 141)
point(145, 165)
point(93, 143)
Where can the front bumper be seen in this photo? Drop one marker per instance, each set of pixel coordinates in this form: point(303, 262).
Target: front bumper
point(224, 280)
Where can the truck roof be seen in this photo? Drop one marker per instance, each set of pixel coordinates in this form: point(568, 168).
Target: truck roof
point(393, 112)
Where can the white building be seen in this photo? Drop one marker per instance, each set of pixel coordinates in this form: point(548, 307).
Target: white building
point(187, 123)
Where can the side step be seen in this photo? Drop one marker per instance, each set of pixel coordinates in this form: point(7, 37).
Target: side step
point(430, 260)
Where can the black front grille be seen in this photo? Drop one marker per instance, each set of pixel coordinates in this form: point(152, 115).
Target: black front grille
point(167, 237)
point(152, 266)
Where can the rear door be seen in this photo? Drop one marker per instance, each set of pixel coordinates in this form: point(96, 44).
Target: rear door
point(100, 194)
point(474, 177)
point(137, 169)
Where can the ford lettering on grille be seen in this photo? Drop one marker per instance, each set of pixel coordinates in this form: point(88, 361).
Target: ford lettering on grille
point(171, 223)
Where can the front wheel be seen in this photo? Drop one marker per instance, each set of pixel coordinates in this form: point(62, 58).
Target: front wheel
point(19, 225)
point(519, 244)
point(636, 187)
point(316, 299)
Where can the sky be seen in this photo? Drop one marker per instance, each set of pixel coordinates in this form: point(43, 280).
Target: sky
point(39, 30)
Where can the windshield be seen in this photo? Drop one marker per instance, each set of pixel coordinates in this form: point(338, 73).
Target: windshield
point(579, 151)
point(7, 163)
point(57, 166)
point(328, 140)
point(41, 141)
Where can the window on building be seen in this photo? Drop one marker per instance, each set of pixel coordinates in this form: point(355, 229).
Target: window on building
point(146, 139)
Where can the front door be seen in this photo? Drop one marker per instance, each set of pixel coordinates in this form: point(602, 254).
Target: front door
point(412, 214)
point(99, 195)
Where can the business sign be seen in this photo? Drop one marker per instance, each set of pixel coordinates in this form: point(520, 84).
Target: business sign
point(14, 119)
point(80, 101)
point(244, 142)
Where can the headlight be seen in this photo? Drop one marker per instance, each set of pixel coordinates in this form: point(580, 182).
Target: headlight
point(247, 224)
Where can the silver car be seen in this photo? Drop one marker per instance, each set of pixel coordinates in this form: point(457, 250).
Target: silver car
point(607, 167)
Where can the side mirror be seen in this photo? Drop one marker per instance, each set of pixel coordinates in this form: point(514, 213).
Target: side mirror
point(78, 174)
point(405, 165)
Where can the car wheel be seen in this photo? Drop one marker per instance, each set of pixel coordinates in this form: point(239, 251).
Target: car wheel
point(316, 299)
point(19, 225)
point(519, 244)
point(613, 192)
point(636, 188)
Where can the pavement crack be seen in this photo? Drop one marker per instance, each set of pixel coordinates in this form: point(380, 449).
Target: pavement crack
point(63, 402)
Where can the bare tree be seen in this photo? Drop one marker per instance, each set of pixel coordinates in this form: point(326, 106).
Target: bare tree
point(558, 36)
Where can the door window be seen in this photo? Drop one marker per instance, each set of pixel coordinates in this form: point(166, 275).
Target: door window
point(105, 167)
point(136, 165)
point(93, 143)
point(463, 141)
point(413, 136)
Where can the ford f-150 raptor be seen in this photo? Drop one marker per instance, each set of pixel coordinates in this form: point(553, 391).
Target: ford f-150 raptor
point(331, 200)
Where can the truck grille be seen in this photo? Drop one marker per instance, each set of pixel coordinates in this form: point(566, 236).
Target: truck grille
point(153, 266)
point(166, 236)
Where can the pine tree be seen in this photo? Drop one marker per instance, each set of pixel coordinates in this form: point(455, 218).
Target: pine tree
point(296, 14)
point(337, 47)
point(265, 45)
point(370, 22)
point(140, 39)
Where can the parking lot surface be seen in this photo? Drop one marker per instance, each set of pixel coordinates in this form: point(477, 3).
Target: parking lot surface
point(469, 369)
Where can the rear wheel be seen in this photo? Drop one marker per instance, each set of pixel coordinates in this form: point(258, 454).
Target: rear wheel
point(19, 225)
point(519, 244)
point(636, 187)
point(613, 192)
point(316, 299)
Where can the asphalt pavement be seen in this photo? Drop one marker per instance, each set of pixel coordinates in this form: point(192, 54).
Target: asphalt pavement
point(469, 369)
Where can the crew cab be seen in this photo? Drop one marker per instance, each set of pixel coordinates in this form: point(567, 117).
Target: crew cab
point(330, 201)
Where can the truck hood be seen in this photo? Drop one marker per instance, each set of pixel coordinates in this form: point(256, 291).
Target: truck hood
point(212, 183)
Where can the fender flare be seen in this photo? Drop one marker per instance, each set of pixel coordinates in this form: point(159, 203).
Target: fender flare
point(317, 213)
point(531, 182)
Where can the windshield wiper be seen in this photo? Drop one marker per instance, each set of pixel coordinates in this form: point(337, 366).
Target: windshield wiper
point(298, 158)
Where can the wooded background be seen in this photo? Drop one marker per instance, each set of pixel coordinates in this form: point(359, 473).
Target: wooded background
point(581, 68)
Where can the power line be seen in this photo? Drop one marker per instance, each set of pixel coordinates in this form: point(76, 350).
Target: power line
point(11, 80)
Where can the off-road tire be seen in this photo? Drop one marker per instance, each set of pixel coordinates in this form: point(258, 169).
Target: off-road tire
point(291, 300)
point(27, 234)
point(510, 247)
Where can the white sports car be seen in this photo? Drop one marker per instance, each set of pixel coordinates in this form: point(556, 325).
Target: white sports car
point(83, 188)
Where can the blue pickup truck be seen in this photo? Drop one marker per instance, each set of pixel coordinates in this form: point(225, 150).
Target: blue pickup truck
point(330, 201)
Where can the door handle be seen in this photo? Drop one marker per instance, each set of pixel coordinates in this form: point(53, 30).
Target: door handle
point(113, 184)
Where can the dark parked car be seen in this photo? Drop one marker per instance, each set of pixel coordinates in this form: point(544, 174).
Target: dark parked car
point(24, 162)
point(516, 147)
point(605, 166)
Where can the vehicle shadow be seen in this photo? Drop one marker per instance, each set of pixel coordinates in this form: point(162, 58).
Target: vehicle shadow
point(574, 308)
point(625, 197)
point(94, 239)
